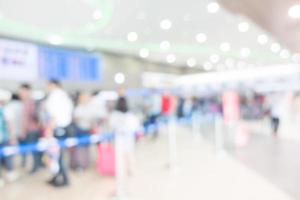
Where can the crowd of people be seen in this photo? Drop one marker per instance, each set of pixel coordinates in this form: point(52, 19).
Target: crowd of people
point(59, 115)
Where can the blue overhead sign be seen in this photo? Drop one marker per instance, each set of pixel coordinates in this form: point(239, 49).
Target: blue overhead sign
point(68, 65)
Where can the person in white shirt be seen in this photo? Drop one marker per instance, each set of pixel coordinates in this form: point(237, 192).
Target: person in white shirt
point(125, 125)
point(59, 108)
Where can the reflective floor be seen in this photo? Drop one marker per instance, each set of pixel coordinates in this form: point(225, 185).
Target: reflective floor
point(201, 174)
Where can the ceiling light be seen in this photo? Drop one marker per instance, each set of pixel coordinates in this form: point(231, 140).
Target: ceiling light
point(207, 66)
point(294, 12)
point(119, 78)
point(243, 27)
point(165, 24)
point(165, 45)
point(201, 38)
point(55, 40)
point(144, 53)
point(275, 47)
point(262, 39)
point(296, 58)
point(225, 47)
point(285, 54)
point(191, 62)
point(213, 7)
point(132, 36)
point(245, 52)
point(97, 15)
point(229, 62)
point(214, 58)
point(171, 58)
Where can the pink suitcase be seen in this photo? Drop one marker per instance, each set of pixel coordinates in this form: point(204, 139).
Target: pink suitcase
point(106, 159)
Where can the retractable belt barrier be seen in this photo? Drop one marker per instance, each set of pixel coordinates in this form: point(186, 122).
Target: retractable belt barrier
point(45, 143)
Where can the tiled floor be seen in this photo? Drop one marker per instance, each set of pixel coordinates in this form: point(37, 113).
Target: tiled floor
point(276, 159)
point(200, 175)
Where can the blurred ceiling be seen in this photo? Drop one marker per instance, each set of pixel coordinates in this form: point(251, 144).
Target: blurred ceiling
point(194, 33)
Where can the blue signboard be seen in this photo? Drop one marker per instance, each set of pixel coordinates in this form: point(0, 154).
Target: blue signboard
point(68, 65)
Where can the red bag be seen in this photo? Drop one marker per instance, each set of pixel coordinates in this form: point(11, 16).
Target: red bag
point(106, 159)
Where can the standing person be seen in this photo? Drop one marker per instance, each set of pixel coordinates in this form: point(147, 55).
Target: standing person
point(84, 120)
point(30, 126)
point(59, 108)
point(275, 113)
point(124, 138)
point(5, 140)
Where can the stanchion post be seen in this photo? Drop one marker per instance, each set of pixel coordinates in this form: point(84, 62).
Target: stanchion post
point(219, 135)
point(172, 143)
point(120, 170)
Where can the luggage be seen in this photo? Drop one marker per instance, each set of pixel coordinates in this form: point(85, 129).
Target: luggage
point(79, 158)
point(106, 159)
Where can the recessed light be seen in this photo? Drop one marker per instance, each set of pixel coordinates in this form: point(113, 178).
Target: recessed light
point(201, 38)
point(97, 15)
point(285, 54)
point(55, 40)
point(214, 58)
point(207, 66)
point(262, 39)
point(132, 36)
point(165, 24)
point(165, 45)
point(191, 62)
point(294, 12)
point(119, 78)
point(171, 58)
point(225, 47)
point(144, 53)
point(245, 52)
point(275, 47)
point(213, 7)
point(243, 27)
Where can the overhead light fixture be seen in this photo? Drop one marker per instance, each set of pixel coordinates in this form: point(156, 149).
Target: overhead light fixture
point(119, 78)
point(294, 12)
point(165, 24)
point(165, 45)
point(201, 38)
point(245, 52)
point(285, 54)
point(191, 62)
point(275, 47)
point(262, 39)
point(225, 47)
point(55, 40)
point(207, 66)
point(213, 7)
point(144, 53)
point(243, 27)
point(214, 58)
point(296, 58)
point(132, 36)
point(229, 62)
point(97, 15)
point(171, 58)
